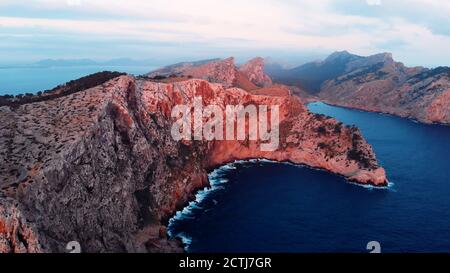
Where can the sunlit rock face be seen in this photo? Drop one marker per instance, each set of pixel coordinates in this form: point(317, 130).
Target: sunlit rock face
point(214, 71)
point(249, 76)
point(439, 108)
point(100, 166)
point(304, 137)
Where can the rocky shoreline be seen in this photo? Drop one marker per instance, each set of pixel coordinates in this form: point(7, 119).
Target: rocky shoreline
point(365, 109)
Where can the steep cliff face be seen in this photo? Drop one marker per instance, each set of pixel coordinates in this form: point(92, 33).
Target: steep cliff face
point(100, 166)
point(439, 108)
point(254, 71)
point(305, 138)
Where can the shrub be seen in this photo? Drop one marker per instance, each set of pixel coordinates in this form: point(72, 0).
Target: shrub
point(321, 130)
point(337, 128)
point(358, 156)
point(158, 77)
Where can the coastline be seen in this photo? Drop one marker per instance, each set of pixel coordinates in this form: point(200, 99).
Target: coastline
point(415, 120)
point(217, 182)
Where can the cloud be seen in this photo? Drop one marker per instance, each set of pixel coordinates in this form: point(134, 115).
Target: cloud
point(254, 25)
point(373, 2)
point(72, 3)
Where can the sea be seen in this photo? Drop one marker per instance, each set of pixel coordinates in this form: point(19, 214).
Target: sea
point(31, 79)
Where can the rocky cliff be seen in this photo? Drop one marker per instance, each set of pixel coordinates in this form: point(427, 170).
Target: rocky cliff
point(254, 71)
point(215, 71)
point(100, 167)
point(249, 76)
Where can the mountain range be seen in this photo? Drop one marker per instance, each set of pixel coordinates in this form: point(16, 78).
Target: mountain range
point(373, 83)
point(90, 62)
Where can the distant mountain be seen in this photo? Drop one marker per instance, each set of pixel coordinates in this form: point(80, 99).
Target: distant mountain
point(180, 68)
point(378, 83)
point(311, 76)
point(254, 71)
point(65, 62)
point(374, 83)
point(129, 62)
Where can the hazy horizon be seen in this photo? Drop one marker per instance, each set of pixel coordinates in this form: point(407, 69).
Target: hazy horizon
point(128, 61)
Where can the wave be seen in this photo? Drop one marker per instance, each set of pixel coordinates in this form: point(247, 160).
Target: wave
point(216, 180)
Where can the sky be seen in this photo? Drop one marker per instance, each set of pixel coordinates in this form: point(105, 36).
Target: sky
point(417, 32)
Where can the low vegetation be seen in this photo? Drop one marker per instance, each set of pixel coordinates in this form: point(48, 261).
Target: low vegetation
point(61, 90)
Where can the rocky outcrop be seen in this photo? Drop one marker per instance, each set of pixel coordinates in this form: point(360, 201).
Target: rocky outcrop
point(215, 71)
point(249, 76)
point(254, 71)
point(100, 166)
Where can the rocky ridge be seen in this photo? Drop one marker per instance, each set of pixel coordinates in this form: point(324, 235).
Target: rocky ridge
point(249, 76)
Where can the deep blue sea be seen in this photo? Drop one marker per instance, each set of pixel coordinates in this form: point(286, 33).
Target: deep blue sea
point(31, 79)
point(270, 207)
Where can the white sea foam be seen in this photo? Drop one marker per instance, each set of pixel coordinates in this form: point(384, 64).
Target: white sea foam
point(389, 186)
point(216, 180)
point(185, 239)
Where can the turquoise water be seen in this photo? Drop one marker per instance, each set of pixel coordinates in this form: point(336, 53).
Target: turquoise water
point(270, 207)
point(16, 80)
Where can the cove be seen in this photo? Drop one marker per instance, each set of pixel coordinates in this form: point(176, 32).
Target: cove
point(260, 206)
